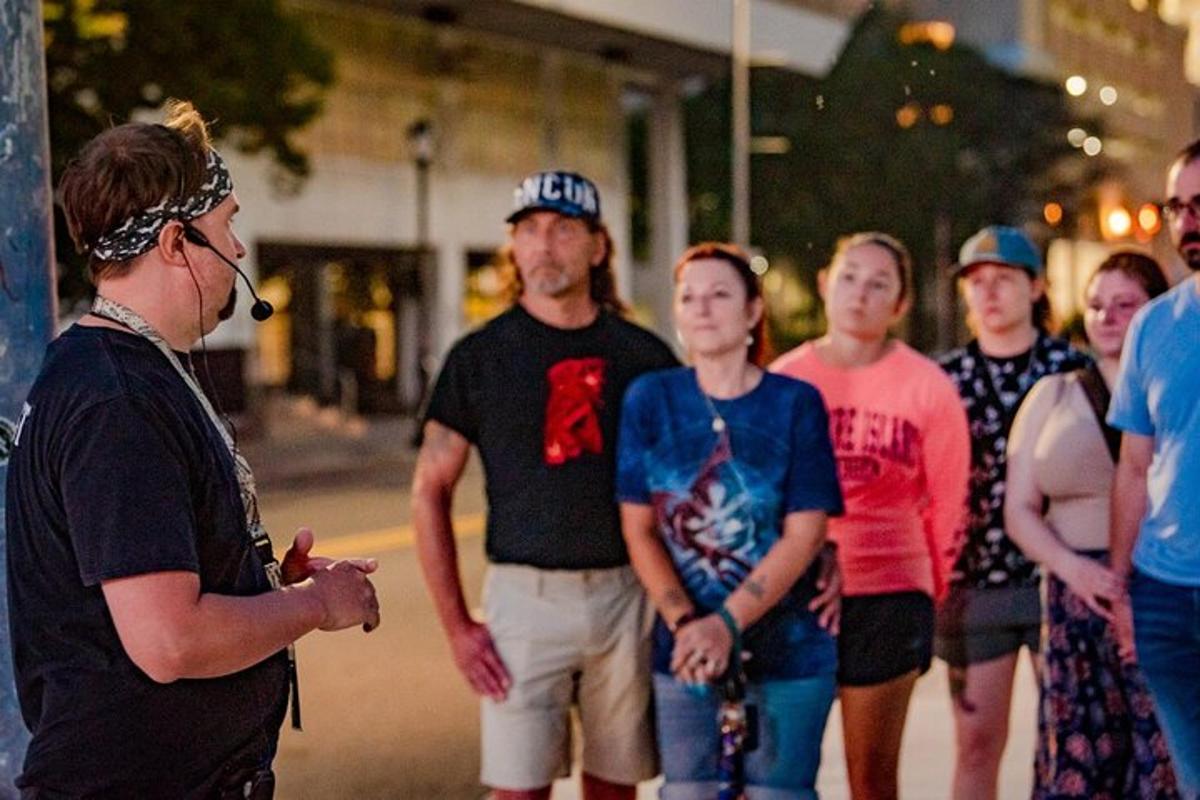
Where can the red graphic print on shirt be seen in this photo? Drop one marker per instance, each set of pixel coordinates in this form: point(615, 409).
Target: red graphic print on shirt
point(863, 440)
point(572, 422)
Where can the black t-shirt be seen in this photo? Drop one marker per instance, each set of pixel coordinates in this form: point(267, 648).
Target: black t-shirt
point(542, 405)
point(117, 471)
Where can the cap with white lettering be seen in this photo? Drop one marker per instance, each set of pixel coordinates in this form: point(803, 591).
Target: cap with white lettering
point(567, 193)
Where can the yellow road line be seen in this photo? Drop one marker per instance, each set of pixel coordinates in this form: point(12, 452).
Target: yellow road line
point(398, 538)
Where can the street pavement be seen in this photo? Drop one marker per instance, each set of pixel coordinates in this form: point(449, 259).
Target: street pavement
point(386, 715)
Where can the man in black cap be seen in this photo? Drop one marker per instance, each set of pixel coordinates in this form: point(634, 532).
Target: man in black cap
point(538, 392)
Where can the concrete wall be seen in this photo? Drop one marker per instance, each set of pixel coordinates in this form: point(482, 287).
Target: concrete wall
point(499, 111)
point(1142, 57)
point(788, 34)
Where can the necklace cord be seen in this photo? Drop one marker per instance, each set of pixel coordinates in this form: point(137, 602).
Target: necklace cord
point(724, 437)
point(260, 541)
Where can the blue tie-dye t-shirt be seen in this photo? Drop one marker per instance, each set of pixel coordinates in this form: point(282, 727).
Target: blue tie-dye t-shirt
point(720, 498)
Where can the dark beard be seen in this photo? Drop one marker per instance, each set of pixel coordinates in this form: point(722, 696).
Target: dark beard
point(227, 310)
point(1190, 257)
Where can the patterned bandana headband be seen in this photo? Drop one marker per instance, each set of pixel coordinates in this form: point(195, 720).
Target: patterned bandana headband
point(139, 233)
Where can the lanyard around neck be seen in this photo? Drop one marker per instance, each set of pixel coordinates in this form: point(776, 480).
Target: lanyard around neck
point(115, 312)
point(984, 369)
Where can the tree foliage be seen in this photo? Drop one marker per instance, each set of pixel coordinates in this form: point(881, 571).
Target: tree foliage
point(895, 138)
point(247, 64)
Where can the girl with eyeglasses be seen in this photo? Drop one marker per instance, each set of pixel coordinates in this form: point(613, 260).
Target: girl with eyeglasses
point(1097, 732)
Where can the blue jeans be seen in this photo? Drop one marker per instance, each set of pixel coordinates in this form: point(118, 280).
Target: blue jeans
point(791, 724)
point(1166, 624)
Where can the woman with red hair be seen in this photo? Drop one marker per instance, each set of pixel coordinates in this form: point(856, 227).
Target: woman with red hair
point(726, 475)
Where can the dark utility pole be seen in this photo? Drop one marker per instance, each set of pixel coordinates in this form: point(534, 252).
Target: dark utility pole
point(27, 299)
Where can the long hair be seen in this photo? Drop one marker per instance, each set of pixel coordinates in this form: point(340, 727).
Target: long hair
point(758, 350)
point(602, 279)
point(1043, 313)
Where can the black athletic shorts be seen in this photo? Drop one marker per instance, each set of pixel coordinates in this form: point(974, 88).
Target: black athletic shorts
point(884, 636)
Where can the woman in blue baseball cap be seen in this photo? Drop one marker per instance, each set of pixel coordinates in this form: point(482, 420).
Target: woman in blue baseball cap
point(993, 607)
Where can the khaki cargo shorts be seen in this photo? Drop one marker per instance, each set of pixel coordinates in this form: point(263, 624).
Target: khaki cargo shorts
point(569, 638)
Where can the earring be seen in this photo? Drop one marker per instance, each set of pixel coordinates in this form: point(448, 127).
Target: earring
point(679, 337)
point(749, 340)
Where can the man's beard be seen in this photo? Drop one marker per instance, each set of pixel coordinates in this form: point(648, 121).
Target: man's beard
point(552, 287)
point(552, 282)
point(1191, 257)
point(227, 310)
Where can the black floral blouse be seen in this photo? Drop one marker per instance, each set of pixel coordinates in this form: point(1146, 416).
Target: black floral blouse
point(991, 390)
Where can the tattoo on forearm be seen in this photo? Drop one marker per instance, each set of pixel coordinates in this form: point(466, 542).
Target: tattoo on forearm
point(674, 598)
point(756, 587)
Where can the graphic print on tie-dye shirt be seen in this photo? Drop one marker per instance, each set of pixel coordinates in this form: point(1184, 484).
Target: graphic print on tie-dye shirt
point(720, 499)
point(572, 422)
point(710, 528)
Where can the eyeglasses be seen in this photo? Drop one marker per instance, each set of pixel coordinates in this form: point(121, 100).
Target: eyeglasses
point(1120, 306)
point(1173, 209)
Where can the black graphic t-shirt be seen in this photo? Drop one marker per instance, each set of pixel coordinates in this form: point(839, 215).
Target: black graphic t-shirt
point(542, 405)
point(992, 389)
point(118, 472)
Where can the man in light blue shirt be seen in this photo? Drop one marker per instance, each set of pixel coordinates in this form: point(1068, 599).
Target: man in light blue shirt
point(1155, 502)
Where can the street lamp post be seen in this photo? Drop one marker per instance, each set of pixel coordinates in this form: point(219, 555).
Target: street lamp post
point(27, 301)
point(414, 307)
point(420, 139)
point(740, 50)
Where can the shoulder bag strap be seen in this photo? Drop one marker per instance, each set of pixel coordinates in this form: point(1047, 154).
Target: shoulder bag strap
point(1097, 394)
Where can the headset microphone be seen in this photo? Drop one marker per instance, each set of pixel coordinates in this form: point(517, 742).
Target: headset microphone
point(261, 310)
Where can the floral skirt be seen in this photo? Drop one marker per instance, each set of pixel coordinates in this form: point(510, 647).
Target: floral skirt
point(1097, 734)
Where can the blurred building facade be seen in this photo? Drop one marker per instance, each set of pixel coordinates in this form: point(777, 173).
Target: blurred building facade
point(1123, 63)
point(384, 255)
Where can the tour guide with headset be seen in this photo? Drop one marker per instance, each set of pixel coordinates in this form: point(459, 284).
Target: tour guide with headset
point(151, 624)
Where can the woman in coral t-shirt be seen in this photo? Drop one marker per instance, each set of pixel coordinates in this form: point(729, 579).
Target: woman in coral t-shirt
point(903, 450)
